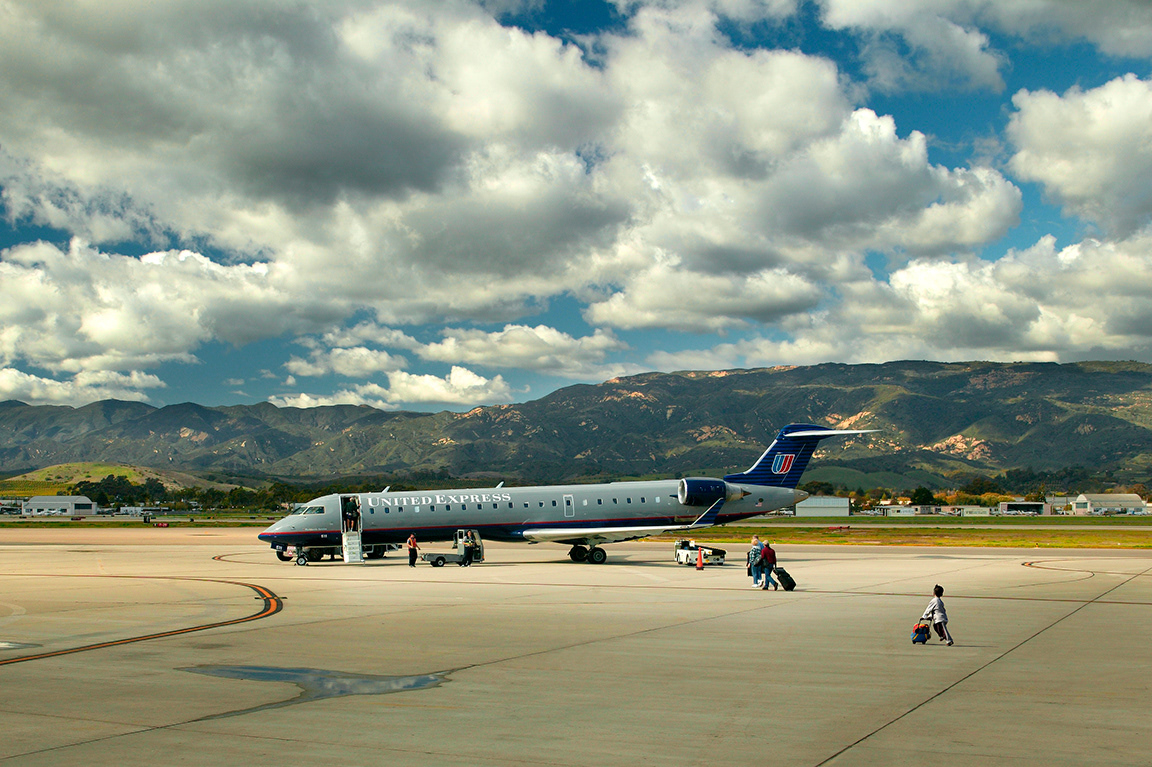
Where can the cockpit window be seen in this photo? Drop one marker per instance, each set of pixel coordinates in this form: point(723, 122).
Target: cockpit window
point(309, 510)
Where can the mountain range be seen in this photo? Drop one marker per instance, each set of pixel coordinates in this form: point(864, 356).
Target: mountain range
point(932, 420)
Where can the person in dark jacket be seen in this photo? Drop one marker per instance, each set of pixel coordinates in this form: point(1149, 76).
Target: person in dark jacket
point(767, 565)
point(412, 548)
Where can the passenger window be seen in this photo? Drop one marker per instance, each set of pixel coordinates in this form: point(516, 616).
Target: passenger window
point(399, 509)
point(657, 499)
point(430, 508)
point(553, 503)
point(615, 501)
point(448, 507)
point(541, 504)
point(629, 499)
point(463, 507)
point(599, 501)
point(585, 501)
point(641, 499)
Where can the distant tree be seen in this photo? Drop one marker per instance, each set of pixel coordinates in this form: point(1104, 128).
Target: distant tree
point(981, 485)
point(922, 496)
point(154, 490)
point(816, 487)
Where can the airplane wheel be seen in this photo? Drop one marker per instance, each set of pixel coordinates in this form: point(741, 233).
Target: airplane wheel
point(597, 556)
point(283, 556)
point(302, 560)
point(578, 553)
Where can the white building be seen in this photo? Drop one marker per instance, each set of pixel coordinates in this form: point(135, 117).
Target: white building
point(1108, 503)
point(63, 505)
point(824, 506)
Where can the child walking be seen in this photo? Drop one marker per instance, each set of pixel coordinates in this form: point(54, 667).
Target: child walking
point(936, 613)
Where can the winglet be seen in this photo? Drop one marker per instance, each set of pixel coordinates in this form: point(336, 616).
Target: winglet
point(708, 518)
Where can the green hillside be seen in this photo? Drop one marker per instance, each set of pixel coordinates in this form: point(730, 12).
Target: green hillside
point(934, 422)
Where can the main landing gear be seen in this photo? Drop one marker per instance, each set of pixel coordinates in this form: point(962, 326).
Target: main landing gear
point(594, 555)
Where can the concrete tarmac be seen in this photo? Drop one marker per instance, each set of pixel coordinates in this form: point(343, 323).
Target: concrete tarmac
point(198, 647)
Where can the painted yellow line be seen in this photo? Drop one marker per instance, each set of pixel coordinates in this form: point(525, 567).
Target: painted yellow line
point(272, 605)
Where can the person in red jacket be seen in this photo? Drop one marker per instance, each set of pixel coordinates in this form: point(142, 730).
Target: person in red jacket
point(767, 565)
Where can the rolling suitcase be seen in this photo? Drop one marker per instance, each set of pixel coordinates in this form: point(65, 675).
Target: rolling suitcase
point(921, 631)
point(784, 578)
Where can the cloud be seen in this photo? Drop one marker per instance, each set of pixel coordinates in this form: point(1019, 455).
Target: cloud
point(667, 296)
point(867, 188)
point(1037, 304)
point(350, 362)
point(918, 46)
point(460, 387)
point(430, 168)
point(81, 309)
point(80, 389)
point(539, 348)
point(1092, 150)
point(928, 45)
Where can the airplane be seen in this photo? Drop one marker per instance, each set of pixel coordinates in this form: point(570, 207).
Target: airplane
point(580, 516)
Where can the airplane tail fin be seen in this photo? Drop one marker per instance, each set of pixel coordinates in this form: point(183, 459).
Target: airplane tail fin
point(784, 461)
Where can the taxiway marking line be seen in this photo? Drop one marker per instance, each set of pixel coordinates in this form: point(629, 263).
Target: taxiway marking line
point(272, 605)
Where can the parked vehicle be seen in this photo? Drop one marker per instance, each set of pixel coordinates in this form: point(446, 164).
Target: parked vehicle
point(687, 553)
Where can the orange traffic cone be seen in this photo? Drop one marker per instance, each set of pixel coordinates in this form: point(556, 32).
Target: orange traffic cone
point(699, 559)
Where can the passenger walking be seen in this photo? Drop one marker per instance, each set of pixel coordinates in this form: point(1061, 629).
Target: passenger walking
point(412, 548)
point(754, 568)
point(767, 565)
point(936, 613)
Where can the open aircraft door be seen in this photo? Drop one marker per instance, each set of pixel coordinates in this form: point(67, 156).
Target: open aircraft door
point(352, 528)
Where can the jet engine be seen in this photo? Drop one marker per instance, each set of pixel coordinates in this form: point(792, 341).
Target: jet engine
point(705, 491)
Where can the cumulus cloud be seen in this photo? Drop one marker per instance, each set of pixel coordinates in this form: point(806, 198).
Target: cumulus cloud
point(931, 44)
point(350, 362)
point(430, 167)
point(1092, 150)
point(670, 297)
point(541, 348)
point(1037, 304)
point(82, 387)
point(460, 387)
point(81, 309)
point(918, 46)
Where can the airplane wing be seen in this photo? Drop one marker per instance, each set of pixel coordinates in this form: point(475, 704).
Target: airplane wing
point(590, 536)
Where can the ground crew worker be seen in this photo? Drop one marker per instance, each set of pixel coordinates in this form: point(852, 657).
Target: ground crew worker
point(412, 548)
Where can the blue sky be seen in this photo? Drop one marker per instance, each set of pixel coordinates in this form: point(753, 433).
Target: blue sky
point(442, 205)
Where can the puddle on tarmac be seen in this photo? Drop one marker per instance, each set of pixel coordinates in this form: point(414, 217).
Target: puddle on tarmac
point(317, 684)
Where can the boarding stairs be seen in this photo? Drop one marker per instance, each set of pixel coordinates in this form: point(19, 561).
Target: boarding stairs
point(353, 549)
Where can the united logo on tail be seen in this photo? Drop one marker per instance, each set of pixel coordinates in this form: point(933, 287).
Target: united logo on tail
point(784, 461)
